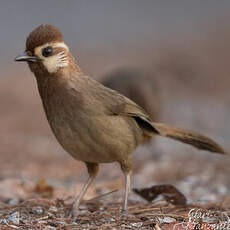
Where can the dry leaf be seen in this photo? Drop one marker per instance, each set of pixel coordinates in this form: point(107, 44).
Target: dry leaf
point(44, 189)
point(170, 193)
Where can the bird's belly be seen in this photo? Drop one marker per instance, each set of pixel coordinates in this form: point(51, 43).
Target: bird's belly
point(98, 139)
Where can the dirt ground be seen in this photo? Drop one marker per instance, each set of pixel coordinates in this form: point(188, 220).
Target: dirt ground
point(38, 180)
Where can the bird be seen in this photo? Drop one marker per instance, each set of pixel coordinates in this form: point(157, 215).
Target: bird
point(93, 123)
point(139, 86)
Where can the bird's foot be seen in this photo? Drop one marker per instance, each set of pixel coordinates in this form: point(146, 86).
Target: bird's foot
point(74, 212)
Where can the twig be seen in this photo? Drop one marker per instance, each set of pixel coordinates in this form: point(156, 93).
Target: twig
point(100, 196)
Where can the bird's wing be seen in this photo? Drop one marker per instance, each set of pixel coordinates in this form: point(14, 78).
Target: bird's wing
point(127, 107)
point(117, 104)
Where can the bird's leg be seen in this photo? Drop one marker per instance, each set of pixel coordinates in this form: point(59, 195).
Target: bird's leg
point(92, 170)
point(126, 169)
point(127, 190)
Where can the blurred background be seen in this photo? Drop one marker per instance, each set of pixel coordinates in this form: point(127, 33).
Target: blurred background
point(183, 49)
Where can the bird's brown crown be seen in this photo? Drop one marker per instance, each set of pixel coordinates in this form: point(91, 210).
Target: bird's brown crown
point(41, 35)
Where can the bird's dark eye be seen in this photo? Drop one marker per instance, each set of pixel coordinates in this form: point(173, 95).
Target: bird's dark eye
point(48, 51)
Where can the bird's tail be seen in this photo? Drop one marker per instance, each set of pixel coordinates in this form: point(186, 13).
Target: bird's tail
point(188, 137)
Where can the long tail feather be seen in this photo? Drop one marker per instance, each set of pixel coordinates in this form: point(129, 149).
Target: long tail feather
point(188, 137)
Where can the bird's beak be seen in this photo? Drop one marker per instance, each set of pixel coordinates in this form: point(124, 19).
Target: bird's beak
point(26, 57)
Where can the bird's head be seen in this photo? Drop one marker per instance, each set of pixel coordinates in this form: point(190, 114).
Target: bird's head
point(46, 52)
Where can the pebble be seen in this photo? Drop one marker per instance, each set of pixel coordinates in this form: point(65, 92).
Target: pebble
point(125, 226)
point(38, 210)
point(167, 220)
point(3, 221)
point(137, 225)
point(13, 201)
point(112, 219)
point(14, 218)
point(53, 209)
point(49, 227)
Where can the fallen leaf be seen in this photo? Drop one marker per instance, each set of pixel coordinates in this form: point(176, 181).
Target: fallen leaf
point(170, 193)
point(45, 190)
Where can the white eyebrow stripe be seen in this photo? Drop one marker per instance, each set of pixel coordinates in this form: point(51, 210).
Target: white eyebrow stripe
point(54, 44)
point(61, 44)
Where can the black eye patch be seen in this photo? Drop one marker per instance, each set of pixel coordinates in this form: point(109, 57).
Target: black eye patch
point(47, 51)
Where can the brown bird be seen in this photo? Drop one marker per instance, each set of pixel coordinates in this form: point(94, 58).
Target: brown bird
point(93, 123)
